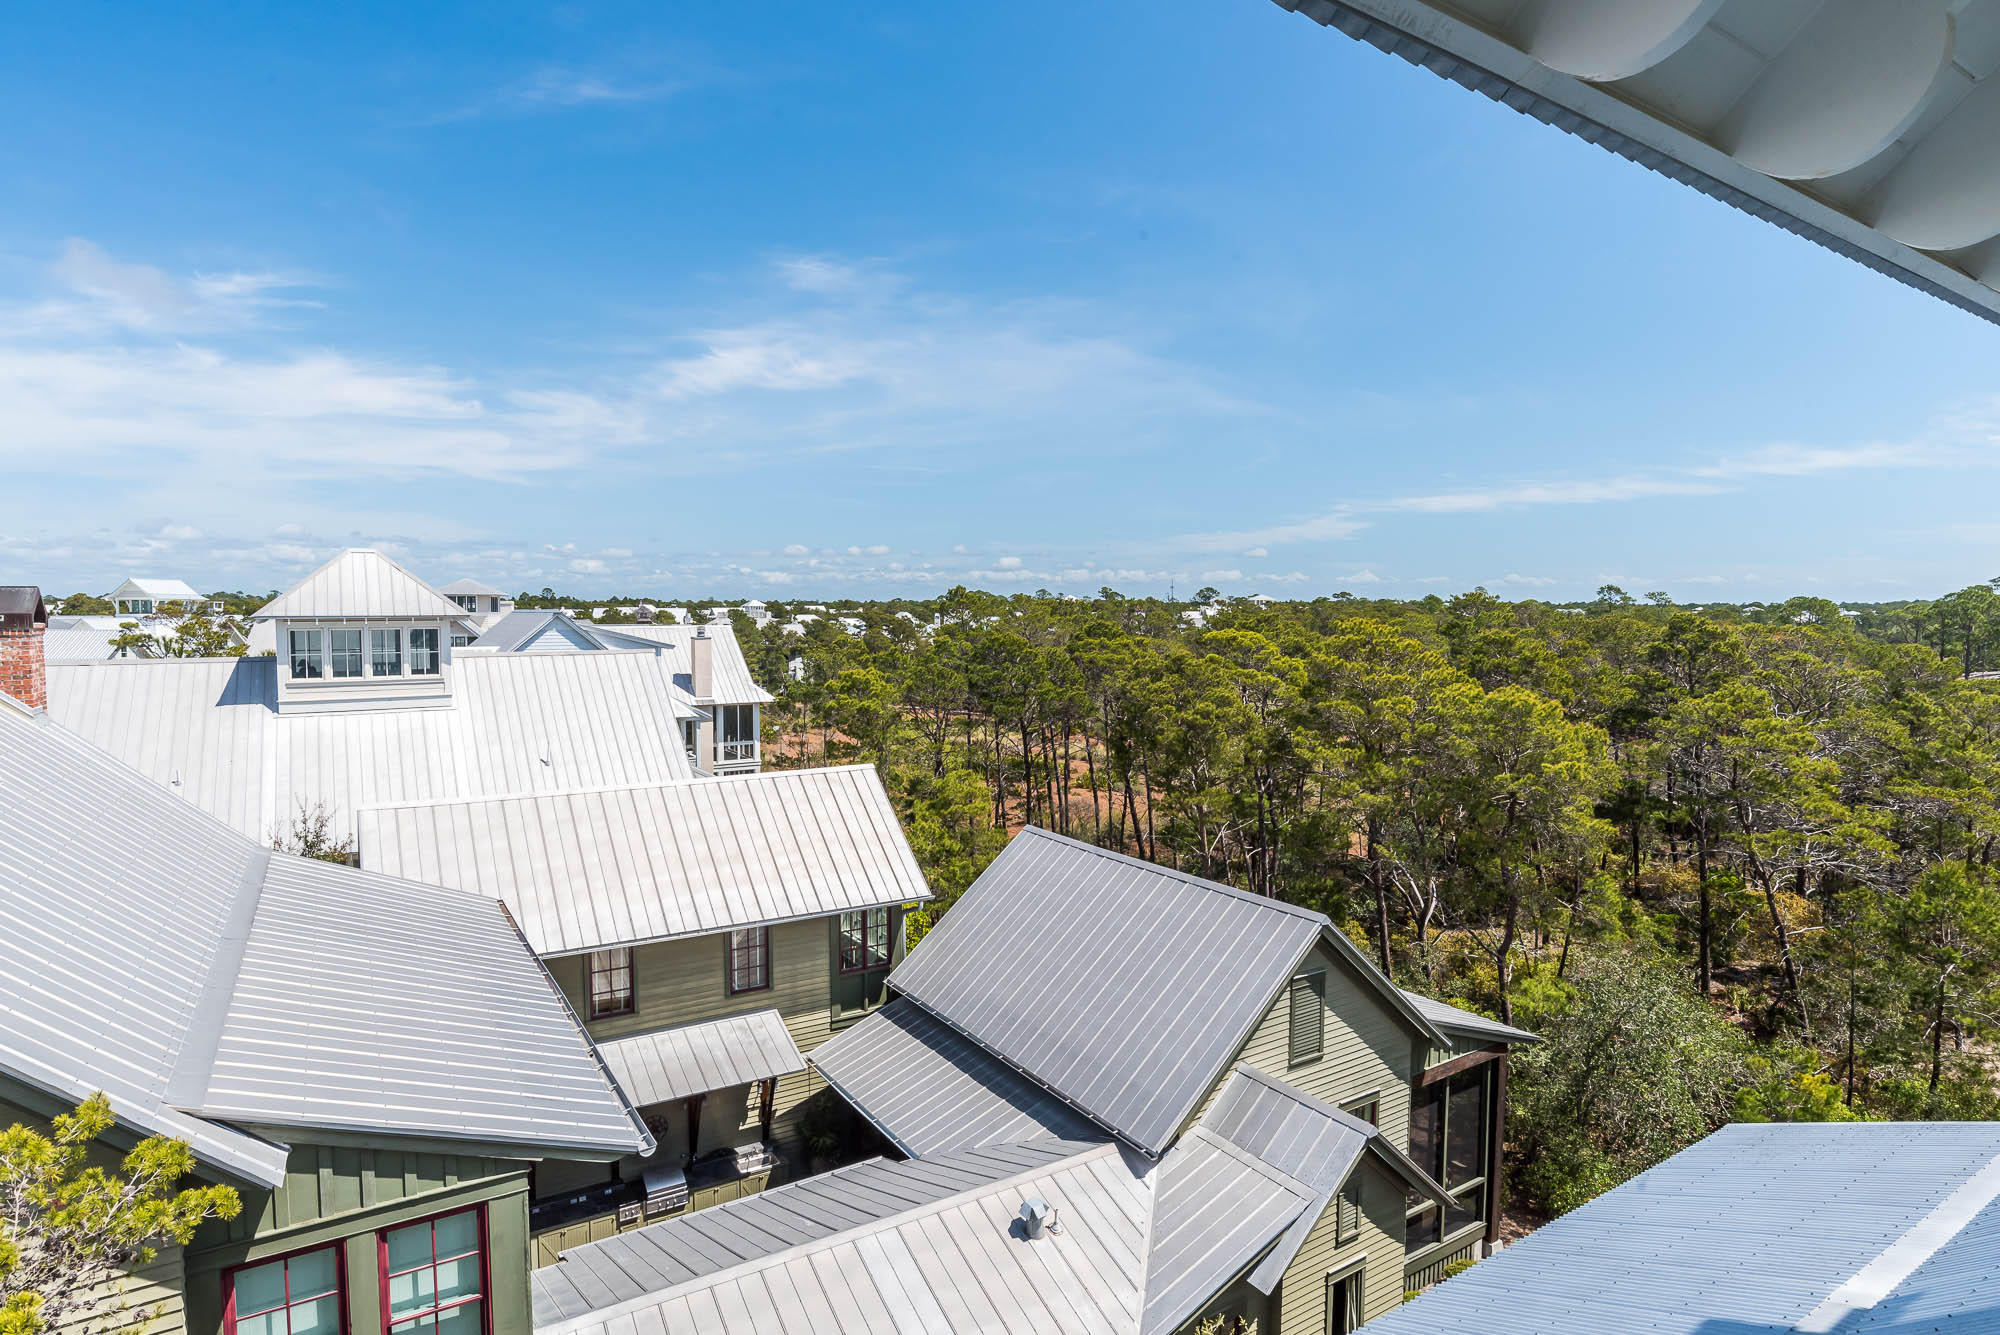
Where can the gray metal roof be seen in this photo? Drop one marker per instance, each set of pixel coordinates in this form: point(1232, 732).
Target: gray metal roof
point(1216, 1208)
point(661, 1256)
point(1122, 985)
point(21, 600)
point(619, 866)
point(1466, 1023)
point(731, 681)
point(471, 587)
point(1850, 1227)
point(360, 583)
point(77, 644)
point(148, 951)
point(160, 590)
point(931, 1090)
point(953, 1266)
point(697, 1058)
point(515, 631)
point(516, 723)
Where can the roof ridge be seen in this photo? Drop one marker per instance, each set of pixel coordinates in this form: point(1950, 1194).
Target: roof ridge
point(604, 1315)
point(1291, 1091)
point(1174, 873)
point(188, 1079)
point(701, 781)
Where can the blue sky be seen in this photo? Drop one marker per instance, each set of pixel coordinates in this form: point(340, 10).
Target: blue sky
point(715, 299)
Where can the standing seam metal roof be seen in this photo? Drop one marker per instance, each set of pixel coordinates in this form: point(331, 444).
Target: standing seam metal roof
point(698, 1058)
point(623, 866)
point(1122, 985)
point(360, 583)
point(731, 680)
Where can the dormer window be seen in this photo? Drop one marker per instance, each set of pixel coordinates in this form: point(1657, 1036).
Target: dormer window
point(469, 601)
point(343, 652)
point(308, 661)
point(423, 653)
point(385, 649)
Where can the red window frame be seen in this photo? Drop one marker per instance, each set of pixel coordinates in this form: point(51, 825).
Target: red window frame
point(762, 951)
point(339, 1285)
point(485, 1298)
point(591, 973)
point(867, 919)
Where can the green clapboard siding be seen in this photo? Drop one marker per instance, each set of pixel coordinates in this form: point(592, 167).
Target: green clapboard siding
point(1300, 1302)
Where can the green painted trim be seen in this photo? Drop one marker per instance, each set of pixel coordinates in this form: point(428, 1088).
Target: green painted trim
point(367, 1219)
point(1455, 1242)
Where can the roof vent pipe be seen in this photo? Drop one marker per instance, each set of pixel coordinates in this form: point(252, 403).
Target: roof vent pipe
point(1038, 1217)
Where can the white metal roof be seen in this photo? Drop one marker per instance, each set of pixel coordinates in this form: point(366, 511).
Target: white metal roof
point(77, 644)
point(520, 631)
point(516, 723)
point(159, 590)
point(589, 869)
point(1850, 1227)
point(1869, 127)
point(471, 588)
point(149, 951)
point(360, 584)
point(731, 682)
point(1124, 986)
point(698, 1058)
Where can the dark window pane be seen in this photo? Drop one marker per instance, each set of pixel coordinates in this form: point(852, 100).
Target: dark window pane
point(1467, 1208)
point(1423, 1230)
point(1426, 1140)
point(1465, 1126)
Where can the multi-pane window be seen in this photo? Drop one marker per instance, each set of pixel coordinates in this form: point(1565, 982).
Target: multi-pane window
point(343, 653)
point(385, 652)
point(434, 1274)
point(1308, 1017)
point(423, 653)
point(864, 940)
point(308, 655)
point(1449, 1140)
point(611, 991)
point(469, 601)
point(294, 1295)
point(749, 960)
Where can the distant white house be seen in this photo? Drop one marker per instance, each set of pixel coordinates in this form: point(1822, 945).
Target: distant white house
point(757, 612)
point(852, 625)
point(142, 597)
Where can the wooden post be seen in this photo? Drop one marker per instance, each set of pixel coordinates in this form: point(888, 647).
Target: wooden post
point(1496, 1148)
point(694, 1123)
point(767, 1093)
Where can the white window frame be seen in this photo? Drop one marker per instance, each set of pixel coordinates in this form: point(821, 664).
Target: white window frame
point(315, 652)
point(374, 655)
point(437, 651)
point(359, 652)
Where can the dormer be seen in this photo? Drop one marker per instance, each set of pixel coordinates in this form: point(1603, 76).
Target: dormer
point(143, 597)
point(481, 600)
point(362, 633)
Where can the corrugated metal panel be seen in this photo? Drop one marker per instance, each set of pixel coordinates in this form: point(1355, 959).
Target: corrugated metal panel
point(77, 644)
point(1124, 986)
point(1452, 1020)
point(367, 1003)
point(516, 723)
point(662, 1256)
point(1748, 1231)
point(1215, 1208)
point(697, 1058)
point(618, 866)
point(953, 1267)
point(147, 950)
point(732, 681)
point(931, 1090)
point(360, 583)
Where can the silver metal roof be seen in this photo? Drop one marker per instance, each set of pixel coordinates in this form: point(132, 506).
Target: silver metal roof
point(516, 723)
point(697, 1058)
point(1862, 125)
point(732, 682)
point(1216, 1208)
point(619, 866)
point(1452, 1020)
point(1122, 985)
point(77, 644)
point(514, 631)
point(1849, 1227)
point(931, 1090)
point(160, 590)
point(662, 1256)
point(953, 1266)
point(149, 951)
point(472, 587)
point(358, 584)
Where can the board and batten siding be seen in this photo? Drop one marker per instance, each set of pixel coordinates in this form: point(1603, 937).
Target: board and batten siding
point(1366, 1052)
point(685, 981)
point(324, 1181)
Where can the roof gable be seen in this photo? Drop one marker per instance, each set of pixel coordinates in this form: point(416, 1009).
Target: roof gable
point(1123, 986)
point(360, 583)
point(732, 681)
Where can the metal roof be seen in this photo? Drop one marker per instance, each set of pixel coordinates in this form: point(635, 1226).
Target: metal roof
point(630, 1265)
point(22, 600)
point(516, 723)
point(77, 644)
point(1216, 1208)
point(731, 682)
point(1124, 986)
point(1848, 1226)
point(471, 587)
point(949, 1267)
point(515, 631)
point(159, 590)
point(588, 869)
point(359, 584)
point(697, 1058)
point(932, 1090)
point(149, 951)
point(1455, 1021)
point(1863, 126)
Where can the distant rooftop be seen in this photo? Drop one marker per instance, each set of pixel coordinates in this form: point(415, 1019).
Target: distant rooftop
point(359, 584)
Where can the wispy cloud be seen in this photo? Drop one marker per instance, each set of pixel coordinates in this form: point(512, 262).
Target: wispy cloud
point(89, 292)
point(563, 88)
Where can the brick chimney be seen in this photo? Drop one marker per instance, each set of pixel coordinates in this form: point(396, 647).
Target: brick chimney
point(24, 672)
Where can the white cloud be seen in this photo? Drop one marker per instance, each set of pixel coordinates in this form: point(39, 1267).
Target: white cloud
point(1009, 563)
point(180, 532)
point(1257, 551)
point(1513, 580)
point(89, 292)
point(1587, 491)
point(1362, 576)
point(796, 549)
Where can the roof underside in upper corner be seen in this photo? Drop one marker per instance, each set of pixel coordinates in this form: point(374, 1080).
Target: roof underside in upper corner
point(1871, 127)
